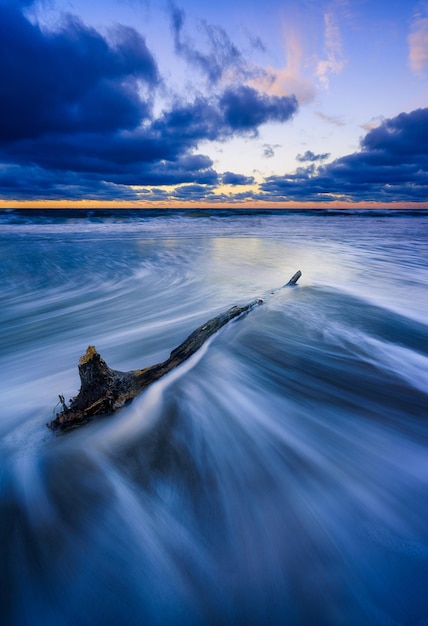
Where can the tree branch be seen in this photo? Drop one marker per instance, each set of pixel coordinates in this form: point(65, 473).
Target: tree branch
point(104, 390)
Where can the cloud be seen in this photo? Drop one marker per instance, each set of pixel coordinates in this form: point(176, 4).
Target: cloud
point(392, 165)
point(334, 60)
point(192, 192)
point(311, 157)
point(373, 123)
point(418, 42)
point(236, 111)
point(245, 109)
point(331, 119)
point(289, 79)
point(72, 80)
point(304, 70)
point(33, 182)
point(75, 120)
point(229, 178)
point(221, 56)
point(256, 43)
point(269, 149)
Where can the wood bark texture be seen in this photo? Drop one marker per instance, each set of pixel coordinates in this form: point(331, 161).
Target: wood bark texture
point(104, 390)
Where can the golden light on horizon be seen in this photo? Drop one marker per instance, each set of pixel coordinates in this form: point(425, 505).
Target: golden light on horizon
point(198, 204)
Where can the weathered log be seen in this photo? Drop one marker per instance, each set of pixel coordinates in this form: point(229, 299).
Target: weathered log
point(104, 390)
point(293, 280)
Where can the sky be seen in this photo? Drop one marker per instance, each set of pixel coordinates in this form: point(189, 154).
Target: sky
point(238, 103)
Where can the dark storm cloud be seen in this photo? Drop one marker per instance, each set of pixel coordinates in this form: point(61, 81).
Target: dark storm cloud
point(229, 178)
point(309, 156)
point(159, 153)
point(20, 3)
point(72, 110)
point(72, 80)
point(237, 111)
point(33, 182)
point(401, 138)
point(192, 192)
point(185, 169)
point(245, 109)
point(392, 165)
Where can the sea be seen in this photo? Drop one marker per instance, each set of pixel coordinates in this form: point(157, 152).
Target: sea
point(279, 477)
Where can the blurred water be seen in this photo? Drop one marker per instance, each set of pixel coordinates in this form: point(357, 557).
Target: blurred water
point(278, 477)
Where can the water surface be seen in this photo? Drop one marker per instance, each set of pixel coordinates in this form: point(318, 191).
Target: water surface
point(279, 477)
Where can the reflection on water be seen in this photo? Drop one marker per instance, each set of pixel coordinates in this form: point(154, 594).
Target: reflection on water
point(279, 477)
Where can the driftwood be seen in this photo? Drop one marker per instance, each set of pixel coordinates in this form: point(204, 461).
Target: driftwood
point(104, 390)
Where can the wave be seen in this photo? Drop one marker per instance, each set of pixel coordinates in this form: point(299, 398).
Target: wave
point(279, 477)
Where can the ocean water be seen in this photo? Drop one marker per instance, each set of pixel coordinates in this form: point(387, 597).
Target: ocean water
point(279, 477)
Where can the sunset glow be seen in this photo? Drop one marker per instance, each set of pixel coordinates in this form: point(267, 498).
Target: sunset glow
point(133, 104)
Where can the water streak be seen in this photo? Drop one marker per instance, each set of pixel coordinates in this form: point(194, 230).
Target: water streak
point(280, 477)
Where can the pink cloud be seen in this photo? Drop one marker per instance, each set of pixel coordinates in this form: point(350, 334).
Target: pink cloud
point(418, 44)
